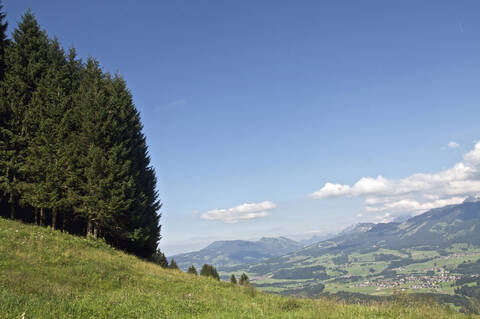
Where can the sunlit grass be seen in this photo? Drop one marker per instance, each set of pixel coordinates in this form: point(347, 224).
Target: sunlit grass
point(49, 274)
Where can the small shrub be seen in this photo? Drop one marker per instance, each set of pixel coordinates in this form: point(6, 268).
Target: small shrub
point(244, 279)
point(290, 304)
point(192, 270)
point(209, 271)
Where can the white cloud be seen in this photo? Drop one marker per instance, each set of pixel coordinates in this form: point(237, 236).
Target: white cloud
point(386, 218)
point(453, 144)
point(415, 193)
point(241, 212)
point(331, 190)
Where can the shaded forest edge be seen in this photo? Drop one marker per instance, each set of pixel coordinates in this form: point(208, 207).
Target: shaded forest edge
point(72, 152)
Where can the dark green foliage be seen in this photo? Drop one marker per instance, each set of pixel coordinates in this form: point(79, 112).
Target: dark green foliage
point(72, 151)
point(469, 291)
point(159, 258)
point(290, 304)
point(342, 259)
point(244, 279)
point(209, 271)
point(385, 257)
point(3, 40)
point(26, 62)
point(467, 280)
point(173, 264)
point(406, 261)
point(472, 268)
point(317, 272)
point(192, 270)
point(233, 280)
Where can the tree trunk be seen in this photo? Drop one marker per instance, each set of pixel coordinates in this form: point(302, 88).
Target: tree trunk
point(54, 218)
point(12, 211)
point(95, 232)
point(36, 216)
point(63, 221)
point(89, 227)
point(42, 217)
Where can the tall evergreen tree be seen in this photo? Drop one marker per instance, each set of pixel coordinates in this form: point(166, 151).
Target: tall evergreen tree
point(159, 258)
point(173, 264)
point(26, 64)
point(209, 271)
point(244, 279)
point(192, 270)
point(137, 214)
point(44, 163)
point(93, 142)
point(3, 40)
point(3, 112)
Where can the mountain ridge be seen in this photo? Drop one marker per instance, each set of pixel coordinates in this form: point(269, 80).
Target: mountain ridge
point(435, 248)
point(224, 254)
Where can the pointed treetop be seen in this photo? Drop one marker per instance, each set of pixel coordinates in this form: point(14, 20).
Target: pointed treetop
point(3, 24)
point(192, 270)
point(27, 26)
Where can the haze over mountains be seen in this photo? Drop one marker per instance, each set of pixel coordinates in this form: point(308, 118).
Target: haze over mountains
point(437, 227)
point(434, 252)
point(227, 253)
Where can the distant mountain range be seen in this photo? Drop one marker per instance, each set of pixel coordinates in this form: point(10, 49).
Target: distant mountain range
point(436, 252)
point(375, 258)
point(226, 254)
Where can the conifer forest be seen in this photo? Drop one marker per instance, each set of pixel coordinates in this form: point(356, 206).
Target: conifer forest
point(72, 153)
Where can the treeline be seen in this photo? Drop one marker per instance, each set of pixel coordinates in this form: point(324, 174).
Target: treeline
point(72, 152)
point(206, 271)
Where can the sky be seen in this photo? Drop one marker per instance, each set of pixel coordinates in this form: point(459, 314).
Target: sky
point(290, 118)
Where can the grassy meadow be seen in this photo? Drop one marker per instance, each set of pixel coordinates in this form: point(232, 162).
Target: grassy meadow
point(50, 274)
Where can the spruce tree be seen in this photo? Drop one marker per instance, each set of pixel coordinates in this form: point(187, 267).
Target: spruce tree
point(3, 112)
point(159, 258)
point(209, 271)
point(173, 264)
point(44, 161)
point(3, 40)
point(69, 150)
point(244, 279)
point(26, 63)
point(233, 280)
point(137, 214)
point(93, 142)
point(192, 270)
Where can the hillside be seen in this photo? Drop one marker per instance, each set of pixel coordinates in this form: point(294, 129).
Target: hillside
point(226, 254)
point(434, 252)
point(50, 274)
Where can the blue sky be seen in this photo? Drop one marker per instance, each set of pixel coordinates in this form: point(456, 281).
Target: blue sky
point(264, 102)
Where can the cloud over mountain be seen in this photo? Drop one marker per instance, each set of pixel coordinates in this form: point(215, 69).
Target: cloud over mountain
point(415, 193)
point(241, 212)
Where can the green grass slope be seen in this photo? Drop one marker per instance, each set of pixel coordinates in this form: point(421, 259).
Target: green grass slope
point(49, 274)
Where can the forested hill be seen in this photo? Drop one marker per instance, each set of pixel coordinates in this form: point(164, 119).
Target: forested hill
point(229, 253)
point(72, 152)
